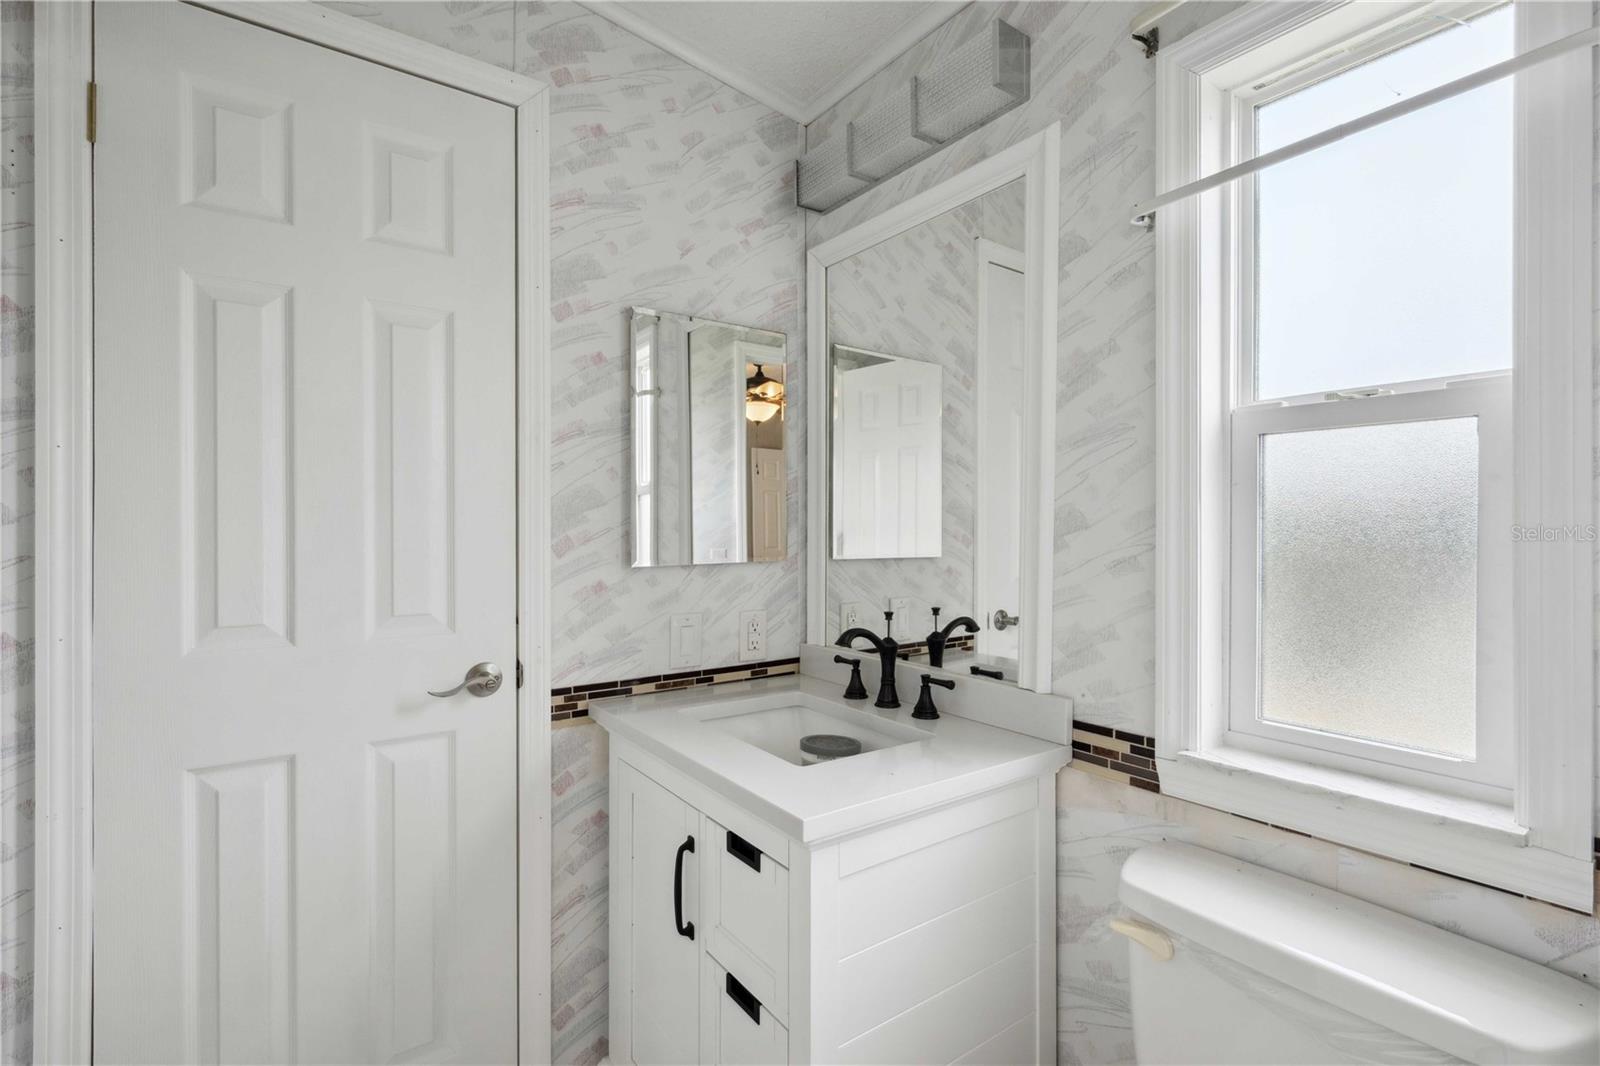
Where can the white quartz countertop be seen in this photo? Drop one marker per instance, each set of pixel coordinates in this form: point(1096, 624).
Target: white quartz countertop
point(929, 764)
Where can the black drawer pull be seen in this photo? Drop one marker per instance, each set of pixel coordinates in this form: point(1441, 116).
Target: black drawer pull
point(744, 851)
point(741, 995)
point(684, 928)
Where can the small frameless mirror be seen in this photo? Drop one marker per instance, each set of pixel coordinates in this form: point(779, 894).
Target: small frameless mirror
point(709, 411)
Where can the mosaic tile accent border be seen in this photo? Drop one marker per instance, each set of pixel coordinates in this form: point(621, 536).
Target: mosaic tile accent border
point(573, 702)
point(1116, 755)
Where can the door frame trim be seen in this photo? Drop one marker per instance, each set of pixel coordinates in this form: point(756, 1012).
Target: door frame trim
point(987, 252)
point(64, 496)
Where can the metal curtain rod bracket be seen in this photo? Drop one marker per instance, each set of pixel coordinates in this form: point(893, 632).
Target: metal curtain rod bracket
point(1588, 38)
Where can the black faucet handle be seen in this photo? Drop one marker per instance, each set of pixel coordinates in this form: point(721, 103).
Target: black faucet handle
point(925, 708)
point(888, 623)
point(856, 689)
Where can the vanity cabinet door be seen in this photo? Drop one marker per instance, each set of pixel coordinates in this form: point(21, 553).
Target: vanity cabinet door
point(664, 941)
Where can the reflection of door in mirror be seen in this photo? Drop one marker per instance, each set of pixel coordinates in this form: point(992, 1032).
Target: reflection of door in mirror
point(997, 538)
point(886, 457)
point(767, 517)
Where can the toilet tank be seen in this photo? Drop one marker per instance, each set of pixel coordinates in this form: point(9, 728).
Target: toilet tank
point(1264, 968)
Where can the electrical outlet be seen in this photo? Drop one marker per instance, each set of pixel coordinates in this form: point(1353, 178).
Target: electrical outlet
point(851, 614)
point(752, 635)
point(685, 648)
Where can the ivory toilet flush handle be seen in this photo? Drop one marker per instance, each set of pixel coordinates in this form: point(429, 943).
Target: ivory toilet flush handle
point(1150, 938)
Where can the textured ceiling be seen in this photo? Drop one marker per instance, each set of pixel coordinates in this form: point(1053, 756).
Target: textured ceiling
point(796, 56)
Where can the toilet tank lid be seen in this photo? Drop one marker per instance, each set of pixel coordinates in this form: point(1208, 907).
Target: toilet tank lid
point(1473, 1001)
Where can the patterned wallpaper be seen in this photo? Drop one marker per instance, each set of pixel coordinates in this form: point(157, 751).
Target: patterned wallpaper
point(16, 532)
point(672, 190)
point(1091, 79)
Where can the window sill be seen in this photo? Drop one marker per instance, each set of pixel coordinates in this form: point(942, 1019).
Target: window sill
point(1467, 838)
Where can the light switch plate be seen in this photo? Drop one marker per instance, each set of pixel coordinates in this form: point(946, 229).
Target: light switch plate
point(752, 635)
point(905, 626)
point(685, 649)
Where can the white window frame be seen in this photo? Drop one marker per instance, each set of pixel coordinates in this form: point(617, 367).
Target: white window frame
point(1521, 818)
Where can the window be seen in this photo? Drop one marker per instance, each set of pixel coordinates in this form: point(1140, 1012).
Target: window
point(1370, 447)
point(1348, 338)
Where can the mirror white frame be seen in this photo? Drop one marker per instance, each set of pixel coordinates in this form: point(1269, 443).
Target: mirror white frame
point(1038, 160)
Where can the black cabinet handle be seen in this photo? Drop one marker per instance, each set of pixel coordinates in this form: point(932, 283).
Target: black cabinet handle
point(744, 851)
point(743, 997)
point(684, 928)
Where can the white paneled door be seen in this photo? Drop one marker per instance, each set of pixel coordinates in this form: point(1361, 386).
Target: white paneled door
point(304, 520)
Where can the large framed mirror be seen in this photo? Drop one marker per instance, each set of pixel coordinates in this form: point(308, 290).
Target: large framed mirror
point(931, 379)
point(709, 410)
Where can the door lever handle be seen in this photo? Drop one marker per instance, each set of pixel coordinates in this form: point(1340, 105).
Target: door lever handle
point(1004, 621)
point(483, 679)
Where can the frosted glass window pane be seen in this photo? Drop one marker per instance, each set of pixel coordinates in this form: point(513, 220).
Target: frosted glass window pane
point(1368, 582)
point(1387, 256)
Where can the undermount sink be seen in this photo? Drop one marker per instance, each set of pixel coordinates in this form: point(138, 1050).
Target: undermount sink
point(777, 725)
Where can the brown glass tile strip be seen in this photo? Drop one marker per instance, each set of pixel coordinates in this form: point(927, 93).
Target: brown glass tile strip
point(1116, 754)
point(573, 701)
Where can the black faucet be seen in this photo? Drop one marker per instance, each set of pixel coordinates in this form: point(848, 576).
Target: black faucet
point(888, 653)
point(855, 690)
point(925, 708)
point(937, 639)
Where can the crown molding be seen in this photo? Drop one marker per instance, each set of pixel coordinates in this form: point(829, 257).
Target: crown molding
point(803, 111)
point(929, 19)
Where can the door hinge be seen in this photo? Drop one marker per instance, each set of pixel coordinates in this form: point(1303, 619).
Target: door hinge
point(91, 127)
point(519, 673)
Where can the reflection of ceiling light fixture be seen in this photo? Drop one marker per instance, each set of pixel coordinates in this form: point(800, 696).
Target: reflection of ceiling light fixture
point(763, 396)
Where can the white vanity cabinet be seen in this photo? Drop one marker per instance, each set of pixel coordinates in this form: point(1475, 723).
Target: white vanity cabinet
point(926, 938)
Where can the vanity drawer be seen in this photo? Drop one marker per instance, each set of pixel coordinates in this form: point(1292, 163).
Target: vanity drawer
point(740, 1029)
point(746, 899)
